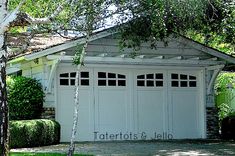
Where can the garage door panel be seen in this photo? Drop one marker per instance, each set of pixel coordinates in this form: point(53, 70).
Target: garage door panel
point(185, 106)
point(65, 109)
point(150, 99)
point(112, 110)
point(150, 112)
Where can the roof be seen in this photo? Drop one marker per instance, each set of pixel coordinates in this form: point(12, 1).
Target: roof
point(23, 44)
point(49, 44)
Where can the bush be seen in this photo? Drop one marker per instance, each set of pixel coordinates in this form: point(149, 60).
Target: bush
point(228, 127)
point(225, 94)
point(25, 98)
point(31, 133)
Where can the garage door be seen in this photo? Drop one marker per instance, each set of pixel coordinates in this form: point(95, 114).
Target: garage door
point(65, 105)
point(111, 104)
point(130, 104)
point(150, 101)
point(183, 96)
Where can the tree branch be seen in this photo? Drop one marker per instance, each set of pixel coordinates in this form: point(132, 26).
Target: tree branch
point(50, 18)
point(5, 23)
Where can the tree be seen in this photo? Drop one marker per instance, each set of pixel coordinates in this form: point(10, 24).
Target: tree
point(14, 18)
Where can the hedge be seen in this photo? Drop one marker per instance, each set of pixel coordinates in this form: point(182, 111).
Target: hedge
point(25, 98)
point(32, 133)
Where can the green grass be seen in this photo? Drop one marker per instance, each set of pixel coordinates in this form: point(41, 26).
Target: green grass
point(42, 154)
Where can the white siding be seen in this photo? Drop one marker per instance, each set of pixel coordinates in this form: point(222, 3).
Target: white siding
point(110, 46)
point(41, 72)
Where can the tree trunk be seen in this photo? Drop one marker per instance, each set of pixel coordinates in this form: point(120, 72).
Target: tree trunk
point(76, 99)
point(4, 107)
point(4, 135)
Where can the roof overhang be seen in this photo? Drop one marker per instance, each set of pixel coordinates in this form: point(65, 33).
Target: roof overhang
point(216, 58)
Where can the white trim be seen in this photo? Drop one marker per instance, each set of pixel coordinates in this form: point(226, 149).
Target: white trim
point(194, 58)
point(159, 57)
point(67, 45)
point(12, 70)
point(137, 61)
point(163, 67)
point(215, 67)
point(216, 71)
point(202, 101)
point(52, 75)
point(208, 50)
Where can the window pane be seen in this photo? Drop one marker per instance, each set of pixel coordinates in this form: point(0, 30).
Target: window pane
point(192, 77)
point(183, 84)
point(112, 82)
point(140, 77)
point(159, 76)
point(140, 83)
point(64, 75)
point(85, 74)
point(174, 76)
point(85, 82)
point(72, 82)
point(150, 83)
point(73, 74)
point(101, 82)
point(149, 76)
point(64, 82)
point(101, 75)
point(111, 75)
point(121, 76)
point(121, 82)
point(192, 84)
point(183, 77)
point(159, 83)
point(174, 83)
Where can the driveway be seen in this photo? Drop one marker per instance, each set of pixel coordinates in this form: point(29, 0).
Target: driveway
point(144, 148)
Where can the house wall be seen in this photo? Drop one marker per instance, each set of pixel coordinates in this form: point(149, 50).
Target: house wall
point(110, 46)
point(212, 120)
point(40, 70)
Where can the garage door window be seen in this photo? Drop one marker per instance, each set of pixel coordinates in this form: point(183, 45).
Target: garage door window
point(68, 79)
point(183, 80)
point(111, 79)
point(150, 80)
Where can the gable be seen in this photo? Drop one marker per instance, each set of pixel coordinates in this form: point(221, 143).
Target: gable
point(104, 46)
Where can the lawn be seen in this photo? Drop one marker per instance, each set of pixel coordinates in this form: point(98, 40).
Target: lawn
point(41, 154)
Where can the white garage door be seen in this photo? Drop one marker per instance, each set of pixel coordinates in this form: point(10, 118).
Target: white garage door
point(65, 107)
point(150, 100)
point(183, 95)
point(119, 104)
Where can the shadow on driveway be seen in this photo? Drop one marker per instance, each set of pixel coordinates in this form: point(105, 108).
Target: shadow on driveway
point(144, 148)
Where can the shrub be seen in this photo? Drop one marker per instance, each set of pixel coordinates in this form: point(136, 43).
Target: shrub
point(31, 133)
point(228, 127)
point(25, 98)
point(225, 94)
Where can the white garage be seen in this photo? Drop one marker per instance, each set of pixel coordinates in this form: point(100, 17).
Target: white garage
point(162, 93)
point(131, 104)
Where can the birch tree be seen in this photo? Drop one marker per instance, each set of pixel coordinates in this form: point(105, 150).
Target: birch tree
point(8, 20)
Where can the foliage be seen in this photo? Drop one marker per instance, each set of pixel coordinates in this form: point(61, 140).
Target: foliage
point(157, 19)
point(25, 98)
point(30, 133)
point(141, 20)
point(224, 87)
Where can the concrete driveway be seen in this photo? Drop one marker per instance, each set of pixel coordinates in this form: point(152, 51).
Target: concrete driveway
point(144, 148)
